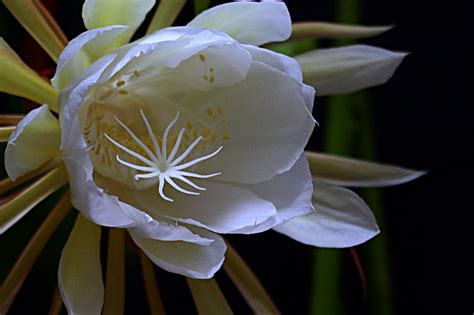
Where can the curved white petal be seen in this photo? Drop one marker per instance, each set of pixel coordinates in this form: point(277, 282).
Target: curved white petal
point(267, 116)
point(187, 259)
point(99, 13)
point(80, 273)
point(222, 208)
point(286, 65)
point(157, 228)
point(348, 69)
point(289, 192)
point(276, 60)
point(249, 23)
point(342, 219)
point(169, 47)
point(83, 51)
point(343, 171)
point(34, 142)
point(91, 200)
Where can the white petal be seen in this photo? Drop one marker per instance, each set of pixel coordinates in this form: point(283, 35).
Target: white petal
point(34, 142)
point(230, 64)
point(72, 98)
point(93, 202)
point(249, 23)
point(222, 208)
point(286, 65)
point(97, 14)
point(342, 171)
point(187, 259)
point(83, 51)
point(278, 61)
point(80, 273)
point(171, 46)
point(267, 116)
point(158, 228)
point(342, 219)
point(289, 192)
point(348, 69)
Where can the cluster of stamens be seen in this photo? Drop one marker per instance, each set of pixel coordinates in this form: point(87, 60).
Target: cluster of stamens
point(161, 165)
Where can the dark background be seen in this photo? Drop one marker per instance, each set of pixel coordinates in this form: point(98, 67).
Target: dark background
point(422, 120)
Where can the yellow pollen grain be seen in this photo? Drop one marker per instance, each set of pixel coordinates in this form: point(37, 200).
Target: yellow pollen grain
point(120, 83)
point(202, 57)
point(205, 77)
point(209, 112)
point(211, 79)
point(123, 92)
point(211, 69)
point(136, 73)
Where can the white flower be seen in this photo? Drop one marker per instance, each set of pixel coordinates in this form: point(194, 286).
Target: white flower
point(185, 133)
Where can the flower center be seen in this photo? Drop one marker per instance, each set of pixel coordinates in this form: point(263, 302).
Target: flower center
point(161, 166)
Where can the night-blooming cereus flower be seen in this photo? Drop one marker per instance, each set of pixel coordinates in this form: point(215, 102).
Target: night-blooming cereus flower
point(184, 133)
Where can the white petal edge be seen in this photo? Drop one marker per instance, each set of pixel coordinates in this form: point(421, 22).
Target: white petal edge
point(35, 141)
point(348, 69)
point(249, 23)
point(83, 51)
point(222, 208)
point(187, 259)
point(92, 201)
point(80, 272)
point(290, 193)
point(342, 219)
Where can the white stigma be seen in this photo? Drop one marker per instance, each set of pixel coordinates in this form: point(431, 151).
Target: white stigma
point(159, 163)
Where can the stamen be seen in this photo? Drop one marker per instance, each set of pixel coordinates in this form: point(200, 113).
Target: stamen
point(152, 135)
point(161, 166)
point(202, 158)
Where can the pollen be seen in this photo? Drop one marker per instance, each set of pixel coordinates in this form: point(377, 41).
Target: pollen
point(202, 57)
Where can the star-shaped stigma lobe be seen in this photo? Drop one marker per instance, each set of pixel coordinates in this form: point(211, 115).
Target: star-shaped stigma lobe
point(159, 164)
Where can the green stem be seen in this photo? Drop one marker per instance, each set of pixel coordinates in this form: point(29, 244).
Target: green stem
point(376, 251)
point(339, 139)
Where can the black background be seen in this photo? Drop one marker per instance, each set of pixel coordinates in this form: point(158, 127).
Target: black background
point(422, 120)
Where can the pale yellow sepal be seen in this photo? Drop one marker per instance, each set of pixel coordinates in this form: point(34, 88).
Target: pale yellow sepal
point(208, 297)
point(13, 210)
point(40, 24)
point(80, 272)
point(36, 141)
point(97, 14)
point(349, 172)
point(322, 30)
point(5, 133)
point(165, 14)
point(248, 284)
point(18, 79)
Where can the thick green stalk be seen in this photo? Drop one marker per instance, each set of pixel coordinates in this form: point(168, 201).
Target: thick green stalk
point(339, 130)
point(376, 251)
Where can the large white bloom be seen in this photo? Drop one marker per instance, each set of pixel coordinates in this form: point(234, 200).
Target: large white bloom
point(180, 134)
